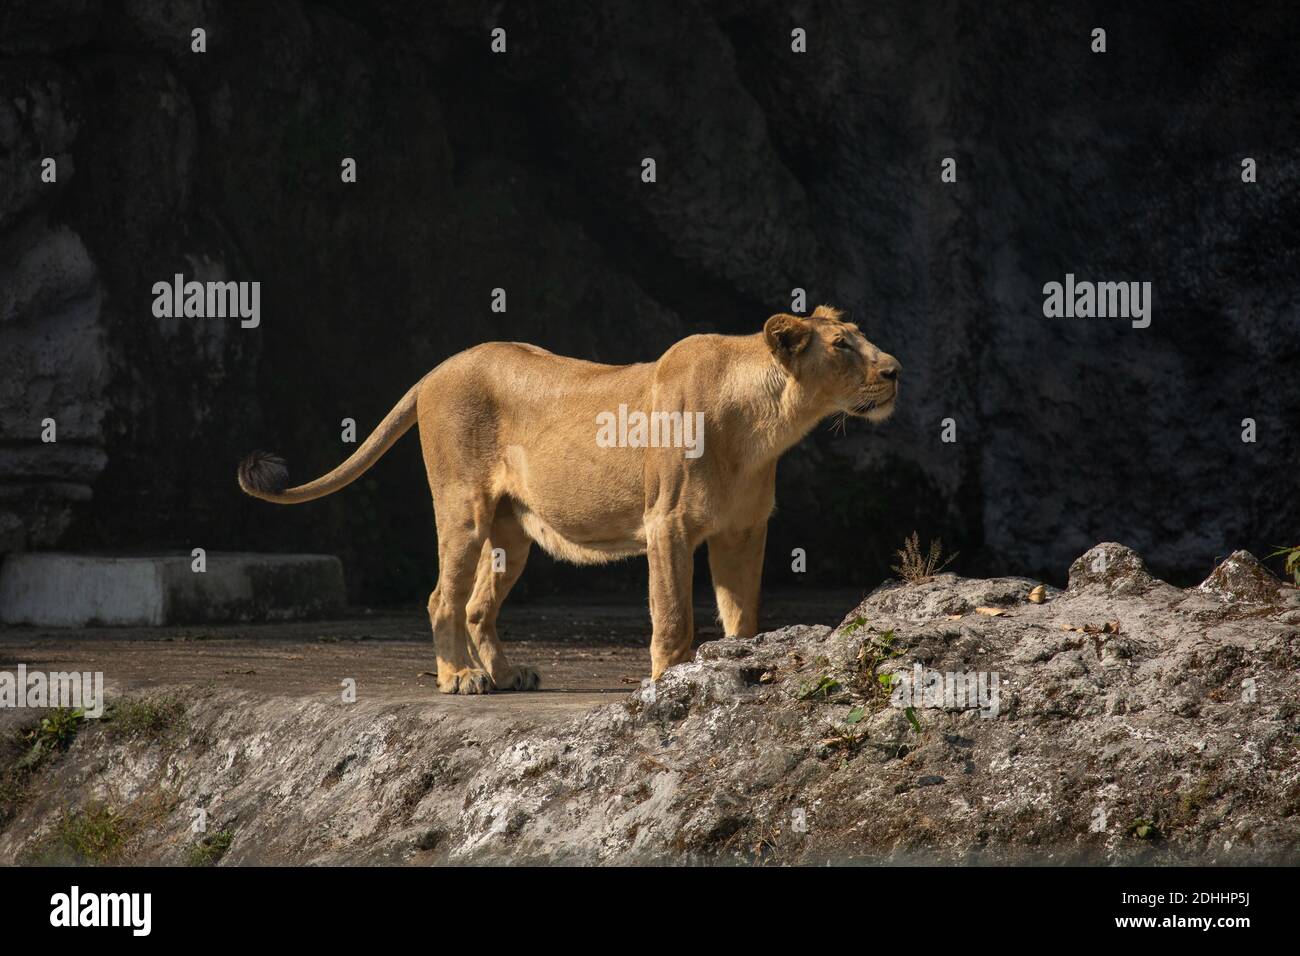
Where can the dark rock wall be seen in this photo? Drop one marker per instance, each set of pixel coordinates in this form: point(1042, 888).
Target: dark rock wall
point(776, 170)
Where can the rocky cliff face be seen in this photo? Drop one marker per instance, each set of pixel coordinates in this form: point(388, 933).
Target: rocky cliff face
point(1121, 719)
point(775, 171)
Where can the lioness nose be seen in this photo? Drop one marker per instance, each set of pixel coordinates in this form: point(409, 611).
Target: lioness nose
point(889, 368)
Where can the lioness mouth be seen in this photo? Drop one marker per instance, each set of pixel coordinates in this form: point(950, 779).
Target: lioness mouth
point(871, 404)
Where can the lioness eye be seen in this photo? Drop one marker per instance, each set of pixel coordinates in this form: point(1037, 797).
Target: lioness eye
point(844, 344)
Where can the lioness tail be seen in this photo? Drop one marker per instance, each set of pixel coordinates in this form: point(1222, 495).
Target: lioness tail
point(264, 475)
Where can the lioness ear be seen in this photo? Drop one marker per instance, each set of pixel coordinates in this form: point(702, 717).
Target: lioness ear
point(786, 335)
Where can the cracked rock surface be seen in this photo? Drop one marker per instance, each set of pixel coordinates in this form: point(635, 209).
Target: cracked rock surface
point(1121, 719)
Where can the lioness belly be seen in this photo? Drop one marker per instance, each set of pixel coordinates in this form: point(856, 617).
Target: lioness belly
point(587, 550)
point(576, 510)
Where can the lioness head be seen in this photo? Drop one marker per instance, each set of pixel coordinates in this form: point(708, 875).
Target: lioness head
point(833, 361)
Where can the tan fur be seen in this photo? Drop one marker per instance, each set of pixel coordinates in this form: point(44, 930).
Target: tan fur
point(509, 431)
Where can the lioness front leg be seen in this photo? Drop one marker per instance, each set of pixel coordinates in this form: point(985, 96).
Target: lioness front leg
point(736, 563)
point(671, 555)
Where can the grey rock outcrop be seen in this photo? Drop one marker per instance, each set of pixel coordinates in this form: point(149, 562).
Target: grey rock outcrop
point(1120, 720)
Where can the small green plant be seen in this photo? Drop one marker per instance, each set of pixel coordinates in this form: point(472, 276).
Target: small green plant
point(823, 688)
point(61, 726)
point(1292, 562)
point(910, 714)
point(51, 735)
point(54, 733)
point(854, 625)
point(1144, 829)
point(209, 850)
point(146, 718)
point(876, 650)
point(913, 567)
point(95, 835)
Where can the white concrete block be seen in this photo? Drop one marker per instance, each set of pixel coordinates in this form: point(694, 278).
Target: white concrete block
point(77, 590)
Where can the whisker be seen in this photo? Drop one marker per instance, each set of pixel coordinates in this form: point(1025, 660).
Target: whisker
point(866, 405)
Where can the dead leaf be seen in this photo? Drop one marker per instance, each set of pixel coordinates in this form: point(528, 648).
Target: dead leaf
point(990, 611)
point(1038, 595)
point(953, 617)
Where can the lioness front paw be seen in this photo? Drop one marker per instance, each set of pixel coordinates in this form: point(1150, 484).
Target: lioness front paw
point(520, 678)
point(471, 680)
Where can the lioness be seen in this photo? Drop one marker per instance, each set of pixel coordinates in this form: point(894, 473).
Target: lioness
point(509, 434)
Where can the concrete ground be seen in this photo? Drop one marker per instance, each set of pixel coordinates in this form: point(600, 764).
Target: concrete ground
point(587, 652)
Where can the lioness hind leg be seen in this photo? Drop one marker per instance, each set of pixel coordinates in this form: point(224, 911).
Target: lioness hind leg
point(502, 561)
point(462, 529)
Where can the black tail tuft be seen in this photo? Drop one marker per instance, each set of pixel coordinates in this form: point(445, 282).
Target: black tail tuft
point(263, 472)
